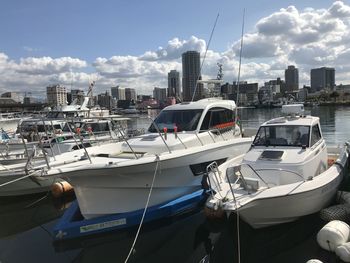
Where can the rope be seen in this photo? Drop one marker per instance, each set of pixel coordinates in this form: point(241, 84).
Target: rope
point(144, 211)
point(18, 179)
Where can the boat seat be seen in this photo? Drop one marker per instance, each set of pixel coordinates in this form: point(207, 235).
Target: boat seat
point(304, 139)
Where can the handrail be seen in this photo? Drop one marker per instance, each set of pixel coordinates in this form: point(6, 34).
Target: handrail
point(157, 128)
point(198, 138)
point(125, 140)
point(178, 137)
point(211, 136)
point(82, 143)
point(216, 129)
point(255, 172)
point(44, 153)
point(48, 139)
point(55, 137)
point(213, 167)
point(281, 170)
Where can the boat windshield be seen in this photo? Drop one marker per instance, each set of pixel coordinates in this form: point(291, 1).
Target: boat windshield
point(184, 120)
point(282, 135)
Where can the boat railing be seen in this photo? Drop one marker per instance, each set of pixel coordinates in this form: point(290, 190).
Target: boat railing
point(158, 130)
point(280, 170)
point(122, 133)
point(240, 171)
point(213, 177)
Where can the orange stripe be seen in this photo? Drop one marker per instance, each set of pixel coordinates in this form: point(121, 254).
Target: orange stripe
point(224, 125)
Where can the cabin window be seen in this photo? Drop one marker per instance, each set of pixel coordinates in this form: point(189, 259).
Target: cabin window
point(97, 127)
point(218, 118)
point(282, 135)
point(316, 134)
point(184, 120)
point(72, 126)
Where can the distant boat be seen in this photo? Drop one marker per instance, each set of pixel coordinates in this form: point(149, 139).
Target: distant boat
point(130, 110)
point(9, 122)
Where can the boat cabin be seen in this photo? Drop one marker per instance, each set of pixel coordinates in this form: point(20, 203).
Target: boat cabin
point(293, 142)
point(290, 131)
point(199, 116)
point(189, 124)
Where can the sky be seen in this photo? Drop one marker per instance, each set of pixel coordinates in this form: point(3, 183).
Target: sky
point(134, 44)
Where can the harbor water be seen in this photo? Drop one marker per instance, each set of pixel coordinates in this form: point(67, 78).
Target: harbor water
point(26, 223)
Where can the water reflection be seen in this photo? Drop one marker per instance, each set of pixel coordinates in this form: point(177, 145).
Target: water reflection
point(22, 214)
point(292, 242)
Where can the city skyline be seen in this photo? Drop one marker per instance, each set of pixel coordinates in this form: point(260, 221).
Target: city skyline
point(35, 54)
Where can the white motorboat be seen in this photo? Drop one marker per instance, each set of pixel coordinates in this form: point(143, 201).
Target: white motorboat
point(58, 136)
point(285, 175)
point(179, 145)
point(16, 167)
point(9, 122)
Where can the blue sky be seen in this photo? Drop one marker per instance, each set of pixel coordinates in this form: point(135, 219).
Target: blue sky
point(124, 42)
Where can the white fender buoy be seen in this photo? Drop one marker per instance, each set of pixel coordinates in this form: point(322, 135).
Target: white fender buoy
point(343, 252)
point(60, 188)
point(332, 235)
point(314, 261)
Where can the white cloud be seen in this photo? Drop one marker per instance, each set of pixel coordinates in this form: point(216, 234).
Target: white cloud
point(306, 38)
point(174, 49)
point(48, 65)
point(34, 74)
point(339, 9)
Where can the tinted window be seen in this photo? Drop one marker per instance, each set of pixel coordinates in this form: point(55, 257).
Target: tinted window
point(184, 120)
point(282, 135)
point(217, 118)
point(316, 134)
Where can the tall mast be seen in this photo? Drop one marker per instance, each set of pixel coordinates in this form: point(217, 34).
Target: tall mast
point(205, 54)
point(239, 67)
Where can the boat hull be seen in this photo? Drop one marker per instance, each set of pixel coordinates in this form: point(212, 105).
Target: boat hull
point(123, 189)
point(275, 210)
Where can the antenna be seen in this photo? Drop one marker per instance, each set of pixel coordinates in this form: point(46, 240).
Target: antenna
point(205, 54)
point(236, 118)
point(71, 79)
point(239, 67)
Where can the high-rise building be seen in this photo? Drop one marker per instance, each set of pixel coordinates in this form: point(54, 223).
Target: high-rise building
point(118, 93)
point(75, 94)
point(159, 94)
point(291, 76)
point(190, 74)
point(105, 100)
point(174, 84)
point(56, 95)
point(12, 95)
point(322, 78)
point(130, 94)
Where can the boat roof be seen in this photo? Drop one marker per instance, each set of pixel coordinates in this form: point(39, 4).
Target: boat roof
point(293, 121)
point(203, 104)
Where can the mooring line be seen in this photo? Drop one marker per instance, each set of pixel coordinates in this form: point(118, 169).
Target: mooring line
point(144, 211)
